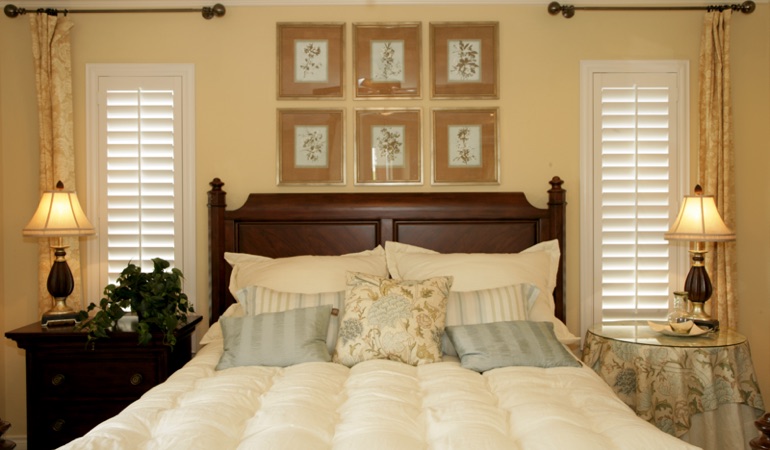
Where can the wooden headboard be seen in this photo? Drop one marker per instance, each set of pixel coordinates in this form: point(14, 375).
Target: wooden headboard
point(281, 225)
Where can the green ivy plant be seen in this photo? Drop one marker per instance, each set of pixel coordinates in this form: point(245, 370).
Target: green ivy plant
point(155, 296)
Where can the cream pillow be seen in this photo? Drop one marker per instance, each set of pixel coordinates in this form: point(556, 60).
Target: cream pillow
point(302, 274)
point(537, 265)
point(398, 320)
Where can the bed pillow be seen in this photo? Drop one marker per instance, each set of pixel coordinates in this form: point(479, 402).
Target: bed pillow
point(305, 274)
point(488, 346)
point(399, 320)
point(258, 300)
point(487, 305)
point(537, 265)
point(276, 339)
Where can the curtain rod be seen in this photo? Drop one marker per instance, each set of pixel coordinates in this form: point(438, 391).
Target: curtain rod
point(568, 11)
point(208, 12)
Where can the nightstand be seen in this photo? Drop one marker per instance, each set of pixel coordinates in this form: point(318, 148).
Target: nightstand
point(70, 388)
point(681, 383)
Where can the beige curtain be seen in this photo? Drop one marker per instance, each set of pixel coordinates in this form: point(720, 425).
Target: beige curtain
point(716, 158)
point(53, 74)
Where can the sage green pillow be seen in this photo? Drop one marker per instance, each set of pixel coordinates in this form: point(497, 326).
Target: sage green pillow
point(276, 339)
point(487, 346)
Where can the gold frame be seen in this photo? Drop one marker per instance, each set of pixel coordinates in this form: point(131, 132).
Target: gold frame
point(398, 79)
point(399, 153)
point(322, 150)
point(471, 155)
point(457, 74)
point(324, 78)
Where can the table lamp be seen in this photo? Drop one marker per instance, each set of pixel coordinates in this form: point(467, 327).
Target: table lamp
point(59, 214)
point(699, 222)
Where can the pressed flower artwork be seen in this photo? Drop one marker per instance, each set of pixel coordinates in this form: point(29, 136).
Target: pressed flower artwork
point(464, 60)
point(311, 60)
point(386, 60)
point(388, 146)
point(465, 145)
point(311, 146)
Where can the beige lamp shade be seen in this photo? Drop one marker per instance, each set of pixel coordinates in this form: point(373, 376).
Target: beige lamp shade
point(59, 214)
point(699, 220)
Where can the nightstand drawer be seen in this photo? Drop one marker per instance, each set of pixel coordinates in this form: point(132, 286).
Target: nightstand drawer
point(107, 377)
point(63, 421)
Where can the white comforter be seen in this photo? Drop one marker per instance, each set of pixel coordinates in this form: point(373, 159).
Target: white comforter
point(376, 405)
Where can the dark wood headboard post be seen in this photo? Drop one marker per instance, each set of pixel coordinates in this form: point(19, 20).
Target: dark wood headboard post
point(557, 205)
point(217, 204)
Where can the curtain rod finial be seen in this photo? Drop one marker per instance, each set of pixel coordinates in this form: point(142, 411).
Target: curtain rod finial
point(217, 10)
point(566, 10)
point(748, 7)
point(12, 11)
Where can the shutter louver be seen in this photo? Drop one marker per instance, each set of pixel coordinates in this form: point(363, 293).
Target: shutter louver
point(140, 178)
point(634, 208)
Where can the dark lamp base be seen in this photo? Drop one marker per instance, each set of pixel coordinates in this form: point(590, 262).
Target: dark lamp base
point(707, 324)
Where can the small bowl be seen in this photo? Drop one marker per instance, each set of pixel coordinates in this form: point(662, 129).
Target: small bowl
point(681, 326)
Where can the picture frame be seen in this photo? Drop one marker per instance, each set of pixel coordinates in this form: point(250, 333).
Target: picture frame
point(464, 60)
point(311, 60)
point(388, 146)
point(387, 60)
point(311, 147)
point(465, 146)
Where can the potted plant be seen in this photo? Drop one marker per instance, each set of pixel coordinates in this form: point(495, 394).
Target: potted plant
point(156, 297)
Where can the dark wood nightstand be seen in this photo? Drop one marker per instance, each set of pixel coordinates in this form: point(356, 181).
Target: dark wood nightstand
point(70, 388)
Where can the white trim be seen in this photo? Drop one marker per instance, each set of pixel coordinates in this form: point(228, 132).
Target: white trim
point(588, 313)
point(187, 74)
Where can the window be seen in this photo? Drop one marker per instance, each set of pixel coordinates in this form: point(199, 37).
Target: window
point(634, 167)
point(140, 157)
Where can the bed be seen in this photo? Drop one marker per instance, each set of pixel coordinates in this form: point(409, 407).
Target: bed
point(384, 321)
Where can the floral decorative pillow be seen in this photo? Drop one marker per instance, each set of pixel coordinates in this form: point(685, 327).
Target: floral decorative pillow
point(400, 320)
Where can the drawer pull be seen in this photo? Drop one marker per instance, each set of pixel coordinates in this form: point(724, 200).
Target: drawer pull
point(57, 380)
point(58, 425)
point(136, 379)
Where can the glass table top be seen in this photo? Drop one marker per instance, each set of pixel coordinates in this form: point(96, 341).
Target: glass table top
point(639, 332)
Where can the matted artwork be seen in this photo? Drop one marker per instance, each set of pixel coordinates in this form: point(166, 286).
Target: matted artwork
point(310, 60)
point(465, 146)
point(311, 146)
point(388, 146)
point(464, 60)
point(386, 60)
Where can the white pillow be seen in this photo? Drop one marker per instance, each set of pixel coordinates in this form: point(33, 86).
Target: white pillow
point(214, 333)
point(302, 274)
point(537, 265)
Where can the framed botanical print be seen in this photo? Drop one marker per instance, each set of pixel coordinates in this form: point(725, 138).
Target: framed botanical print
point(386, 60)
point(464, 60)
point(388, 146)
point(311, 60)
point(311, 146)
point(465, 146)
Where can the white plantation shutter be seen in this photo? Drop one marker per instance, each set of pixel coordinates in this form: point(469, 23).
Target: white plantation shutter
point(141, 167)
point(635, 176)
point(141, 173)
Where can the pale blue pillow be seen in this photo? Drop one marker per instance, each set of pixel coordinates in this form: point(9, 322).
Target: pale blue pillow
point(276, 339)
point(483, 347)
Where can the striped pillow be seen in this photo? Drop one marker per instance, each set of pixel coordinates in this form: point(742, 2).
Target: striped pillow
point(488, 346)
point(276, 339)
point(259, 300)
point(488, 305)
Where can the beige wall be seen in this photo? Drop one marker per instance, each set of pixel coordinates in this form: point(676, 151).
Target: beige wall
point(234, 61)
